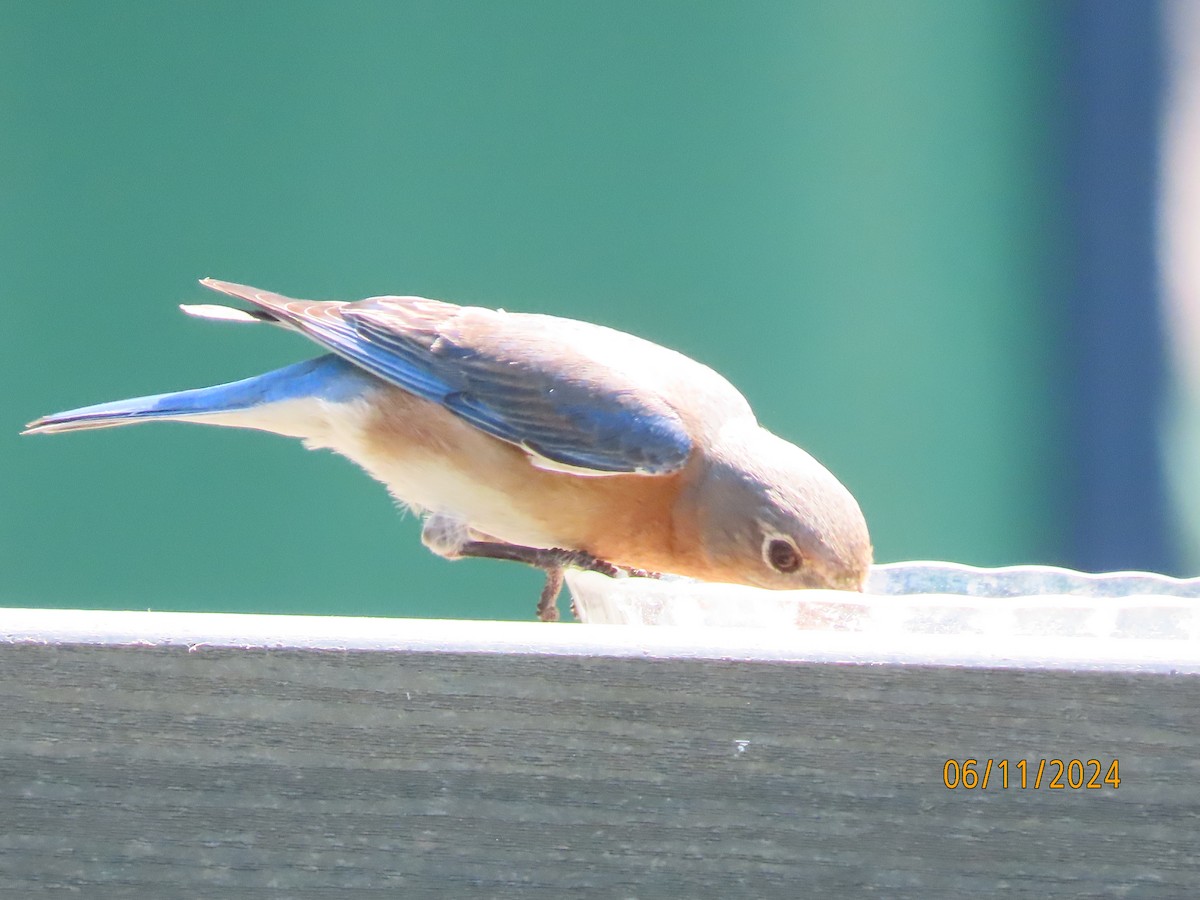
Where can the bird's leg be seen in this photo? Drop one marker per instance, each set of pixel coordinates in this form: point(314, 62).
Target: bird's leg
point(452, 538)
point(552, 558)
point(552, 561)
point(547, 608)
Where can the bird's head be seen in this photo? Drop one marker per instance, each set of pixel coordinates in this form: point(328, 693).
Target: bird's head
point(773, 517)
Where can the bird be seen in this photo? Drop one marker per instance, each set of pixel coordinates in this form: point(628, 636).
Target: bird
point(535, 438)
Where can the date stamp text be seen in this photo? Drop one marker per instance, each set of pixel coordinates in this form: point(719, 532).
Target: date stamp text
point(1033, 774)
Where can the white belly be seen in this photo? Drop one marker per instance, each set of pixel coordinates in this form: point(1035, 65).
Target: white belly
point(452, 485)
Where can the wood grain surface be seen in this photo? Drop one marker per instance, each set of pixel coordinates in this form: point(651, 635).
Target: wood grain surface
point(161, 772)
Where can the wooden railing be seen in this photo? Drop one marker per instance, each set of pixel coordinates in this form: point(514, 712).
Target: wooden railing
point(173, 755)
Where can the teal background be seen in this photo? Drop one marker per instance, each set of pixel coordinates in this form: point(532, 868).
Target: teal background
point(845, 207)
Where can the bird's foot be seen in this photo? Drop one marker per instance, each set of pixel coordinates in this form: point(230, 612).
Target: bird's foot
point(640, 573)
point(445, 535)
point(552, 560)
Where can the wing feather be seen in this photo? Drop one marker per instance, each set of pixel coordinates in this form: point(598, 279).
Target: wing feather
point(525, 379)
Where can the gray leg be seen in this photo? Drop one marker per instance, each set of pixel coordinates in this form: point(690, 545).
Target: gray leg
point(452, 538)
point(553, 558)
point(552, 561)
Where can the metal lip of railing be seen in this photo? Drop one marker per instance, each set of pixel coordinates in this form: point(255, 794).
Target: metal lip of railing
point(202, 631)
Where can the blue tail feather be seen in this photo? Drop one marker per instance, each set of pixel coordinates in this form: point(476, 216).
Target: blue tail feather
point(328, 377)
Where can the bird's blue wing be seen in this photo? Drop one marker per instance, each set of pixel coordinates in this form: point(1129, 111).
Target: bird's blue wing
point(533, 389)
point(510, 375)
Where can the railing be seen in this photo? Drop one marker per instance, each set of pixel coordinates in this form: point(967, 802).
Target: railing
point(164, 754)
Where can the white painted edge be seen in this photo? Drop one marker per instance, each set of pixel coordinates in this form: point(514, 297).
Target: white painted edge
point(198, 631)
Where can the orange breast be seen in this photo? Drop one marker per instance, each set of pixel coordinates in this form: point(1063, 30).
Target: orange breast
point(628, 520)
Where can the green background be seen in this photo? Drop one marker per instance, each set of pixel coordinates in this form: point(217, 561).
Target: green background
point(844, 207)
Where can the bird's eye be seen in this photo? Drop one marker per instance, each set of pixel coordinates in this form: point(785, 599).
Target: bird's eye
point(783, 556)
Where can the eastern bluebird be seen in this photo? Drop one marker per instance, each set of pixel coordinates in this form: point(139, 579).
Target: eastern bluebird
point(538, 439)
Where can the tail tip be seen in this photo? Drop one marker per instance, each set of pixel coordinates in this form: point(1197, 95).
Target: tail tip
point(41, 425)
point(231, 288)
